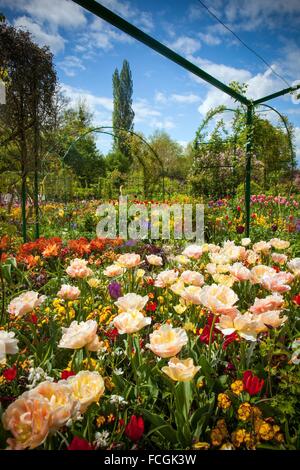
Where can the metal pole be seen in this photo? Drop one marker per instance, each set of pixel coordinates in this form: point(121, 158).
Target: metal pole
point(249, 123)
point(23, 203)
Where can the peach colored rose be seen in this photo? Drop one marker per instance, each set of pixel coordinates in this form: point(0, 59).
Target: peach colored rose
point(271, 302)
point(232, 251)
point(166, 278)
point(294, 266)
point(79, 335)
point(178, 287)
point(192, 277)
point(61, 402)
point(279, 244)
point(257, 273)
point(154, 260)
point(262, 247)
point(25, 303)
point(219, 299)
point(28, 419)
point(8, 344)
point(191, 294)
point(251, 257)
point(131, 301)
point(130, 321)
point(68, 292)
point(113, 270)
point(279, 258)
point(181, 370)
point(86, 388)
point(246, 325)
point(129, 260)
point(167, 341)
point(211, 268)
point(193, 251)
point(224, 279)
point(277, 282)
point(220, 258)
point(78, 269)
point(239, 272)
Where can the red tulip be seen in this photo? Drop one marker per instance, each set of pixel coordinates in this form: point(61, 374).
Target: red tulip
point(296, 299)
point(66, 373)
point(10, 374)
point(79, 444)
point(252, 384)
point(135, 428)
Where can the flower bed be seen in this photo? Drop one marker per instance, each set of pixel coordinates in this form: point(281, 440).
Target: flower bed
point(104, 345)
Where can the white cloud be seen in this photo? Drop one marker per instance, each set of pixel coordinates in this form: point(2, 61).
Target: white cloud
point(128, 11)
point(160, 97)
point(210, 39)
point(163, 124)
point(41, 36)
point(71, 65)
point(94, 102)
point(222, 72)
point(143, 111)
point(185, 45)
point(185, 99)
point(56, 12)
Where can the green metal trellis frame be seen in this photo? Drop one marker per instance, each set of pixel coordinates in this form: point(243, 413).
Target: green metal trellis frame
point(107, 15)
point(115, 20)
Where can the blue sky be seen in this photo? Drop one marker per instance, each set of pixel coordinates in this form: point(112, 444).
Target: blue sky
point(87, 50)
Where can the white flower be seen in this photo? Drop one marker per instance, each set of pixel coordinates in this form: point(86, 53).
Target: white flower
point(118, 371)
point(101, 439)
point(118, 400)
point(8, 345)
point(37, 375)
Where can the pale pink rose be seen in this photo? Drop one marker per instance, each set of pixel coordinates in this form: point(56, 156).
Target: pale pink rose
point(68, 292)
point(181, 370)
point(86, 388)
point(130, 321)
point(113, 270)
point(25, 303)
point(61, 402)
point(78, 269)
point(129, 260)
point(192, 277)
point(219, 299)
point(277, 282)
point(271, 319)
point(257, 273)
point(211, 268)
point(262, 247)
point(166, 278)
point(154, 260)
point(167, 341)
point(193, 251)
point(279, 258)
point(8, 344)
point(191, 294)
point(271, 302)
point(28, 419)
point(294, 266)
point(240, 272)
point(210, 247)
point(80, 335)
point(131, 301)
point(232, 251)
point(220, 258)
point(246, 325)
point(279, 244)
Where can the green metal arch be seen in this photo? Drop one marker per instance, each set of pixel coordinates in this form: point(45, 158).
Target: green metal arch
point(101, 130)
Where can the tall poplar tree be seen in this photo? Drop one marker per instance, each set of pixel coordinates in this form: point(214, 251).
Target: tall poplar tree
point(123, 114)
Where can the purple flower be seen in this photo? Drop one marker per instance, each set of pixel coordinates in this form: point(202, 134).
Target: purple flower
point(115, 290)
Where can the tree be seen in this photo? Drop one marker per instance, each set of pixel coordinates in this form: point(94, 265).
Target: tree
point(123, 114)
point(28, 73)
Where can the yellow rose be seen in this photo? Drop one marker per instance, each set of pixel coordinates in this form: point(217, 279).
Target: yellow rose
point(86, 387)
point(181, 370)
